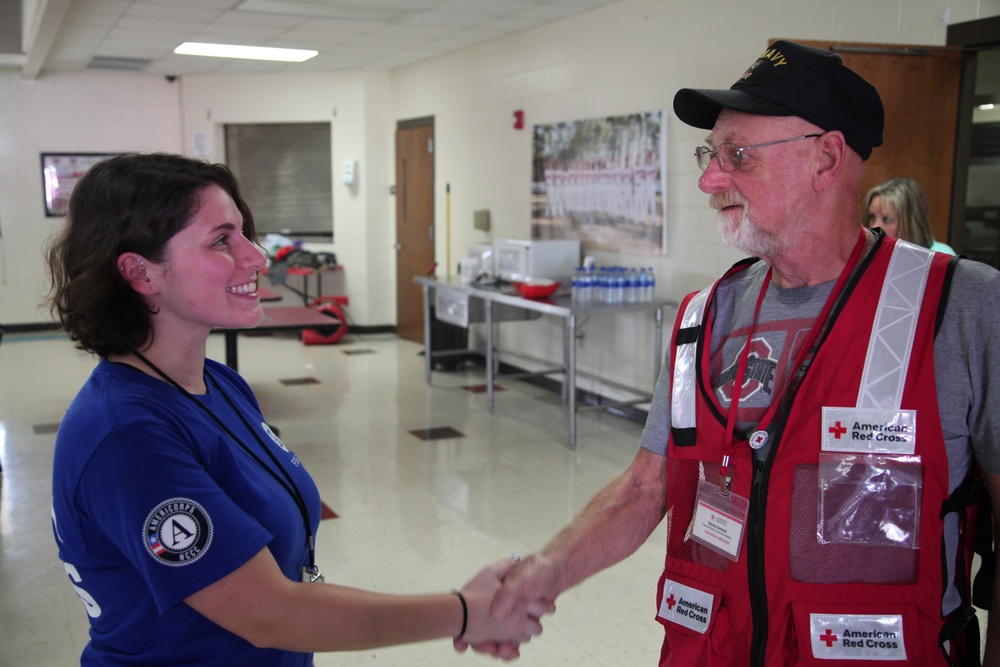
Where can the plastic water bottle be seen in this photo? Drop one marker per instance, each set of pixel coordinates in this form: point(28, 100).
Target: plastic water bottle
point(619, 277)
point(587, 286)
point(650, 287)
point(602, 284)
point(645, 285)
point(576, 287)
point(632, 286)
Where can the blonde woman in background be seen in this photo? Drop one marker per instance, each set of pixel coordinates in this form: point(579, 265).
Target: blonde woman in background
point(899, 207)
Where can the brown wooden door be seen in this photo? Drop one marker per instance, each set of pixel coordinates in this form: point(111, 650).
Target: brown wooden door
point(414, 222)
point(919, 86)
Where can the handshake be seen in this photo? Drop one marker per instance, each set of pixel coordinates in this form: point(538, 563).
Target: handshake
point(505, 602)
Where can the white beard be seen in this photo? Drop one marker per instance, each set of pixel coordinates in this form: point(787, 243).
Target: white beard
point(742, 231)
point(737, 230)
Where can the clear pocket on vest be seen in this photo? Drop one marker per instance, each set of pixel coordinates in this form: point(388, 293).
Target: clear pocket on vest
point(870, 499)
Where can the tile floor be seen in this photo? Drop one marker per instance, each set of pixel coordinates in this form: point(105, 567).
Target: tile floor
point(414, 515)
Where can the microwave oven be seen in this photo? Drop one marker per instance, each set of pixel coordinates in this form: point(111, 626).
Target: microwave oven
point(555, 259)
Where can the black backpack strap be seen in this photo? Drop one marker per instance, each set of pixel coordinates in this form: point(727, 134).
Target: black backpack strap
point(959, 639)
point(982, 585)
point(960, 636)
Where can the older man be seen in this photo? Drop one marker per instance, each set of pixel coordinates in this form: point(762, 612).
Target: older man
point(812, 440)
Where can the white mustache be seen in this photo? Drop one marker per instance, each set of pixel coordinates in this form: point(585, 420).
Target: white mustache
point(721, 200)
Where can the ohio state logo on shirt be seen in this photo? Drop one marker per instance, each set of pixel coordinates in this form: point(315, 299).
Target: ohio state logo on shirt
point(759, 374)
point(177, 532)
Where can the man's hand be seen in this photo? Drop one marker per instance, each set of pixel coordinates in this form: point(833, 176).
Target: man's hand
point(528, 586)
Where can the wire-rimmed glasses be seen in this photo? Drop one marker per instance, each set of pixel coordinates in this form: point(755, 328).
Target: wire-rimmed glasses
point(730, 156)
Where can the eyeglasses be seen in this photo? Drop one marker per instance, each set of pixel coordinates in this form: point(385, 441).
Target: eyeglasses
point(730, 155)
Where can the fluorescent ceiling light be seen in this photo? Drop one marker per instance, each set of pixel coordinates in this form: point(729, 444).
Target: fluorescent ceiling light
point(244, 52)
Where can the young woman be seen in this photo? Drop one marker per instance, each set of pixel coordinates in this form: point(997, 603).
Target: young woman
point(185, 525)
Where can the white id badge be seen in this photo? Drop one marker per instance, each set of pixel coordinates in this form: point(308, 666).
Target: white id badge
point(719, 520)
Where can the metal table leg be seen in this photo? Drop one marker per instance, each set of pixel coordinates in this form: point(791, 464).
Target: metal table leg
point(428, 365)
point(490, 353)
point(569, 338)
point(571, 376)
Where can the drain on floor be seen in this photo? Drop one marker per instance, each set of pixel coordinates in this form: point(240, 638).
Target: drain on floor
point(480, 388)
point(294, 381)
point(437, 433)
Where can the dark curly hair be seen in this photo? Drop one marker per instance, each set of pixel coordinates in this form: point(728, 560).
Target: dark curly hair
point(128, 203)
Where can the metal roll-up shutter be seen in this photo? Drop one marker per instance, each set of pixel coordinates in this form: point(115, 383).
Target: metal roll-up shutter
point(285, 171)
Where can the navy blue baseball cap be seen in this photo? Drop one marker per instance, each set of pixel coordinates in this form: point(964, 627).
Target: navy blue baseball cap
point(791, 79)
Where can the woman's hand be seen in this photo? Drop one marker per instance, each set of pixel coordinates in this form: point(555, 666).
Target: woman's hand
point(500, 634)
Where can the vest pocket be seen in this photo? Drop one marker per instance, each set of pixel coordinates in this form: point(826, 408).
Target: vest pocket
point(683, 477)
point(697, 627)
point(841, 563)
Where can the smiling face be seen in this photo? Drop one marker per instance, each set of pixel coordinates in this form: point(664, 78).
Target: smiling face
point(881, 214)
point(208, 278)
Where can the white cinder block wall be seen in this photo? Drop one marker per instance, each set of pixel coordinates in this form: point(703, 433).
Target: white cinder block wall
point(628, 57)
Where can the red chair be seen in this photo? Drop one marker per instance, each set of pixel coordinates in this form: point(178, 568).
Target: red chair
point(332, 305)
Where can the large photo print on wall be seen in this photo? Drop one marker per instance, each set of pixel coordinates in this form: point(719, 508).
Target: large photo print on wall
point(60, 172)
point(602, 180)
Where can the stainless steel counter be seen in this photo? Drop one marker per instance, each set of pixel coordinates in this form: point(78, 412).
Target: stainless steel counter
point(560, 306)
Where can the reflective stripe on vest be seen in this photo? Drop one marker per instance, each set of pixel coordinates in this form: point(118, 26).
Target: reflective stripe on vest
point(891, 341)
point(682, 408)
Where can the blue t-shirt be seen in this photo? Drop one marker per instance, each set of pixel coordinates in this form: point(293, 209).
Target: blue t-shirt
point(153, 501)
point(937, 246)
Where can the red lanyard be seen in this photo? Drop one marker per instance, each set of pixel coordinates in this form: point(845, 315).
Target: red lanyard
point(724, 472)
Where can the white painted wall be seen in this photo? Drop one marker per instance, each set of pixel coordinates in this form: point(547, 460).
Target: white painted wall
point(628, 57)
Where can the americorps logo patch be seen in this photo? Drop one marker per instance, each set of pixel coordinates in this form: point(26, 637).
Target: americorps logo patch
point(178, 532)
point(273, 436)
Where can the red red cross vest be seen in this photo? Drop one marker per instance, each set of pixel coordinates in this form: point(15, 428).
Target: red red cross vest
point(817, 581)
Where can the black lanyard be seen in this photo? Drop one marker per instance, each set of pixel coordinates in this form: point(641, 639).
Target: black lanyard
point(287, 483)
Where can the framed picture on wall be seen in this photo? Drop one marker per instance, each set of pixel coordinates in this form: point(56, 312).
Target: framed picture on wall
point(603, 181)
point(60, 172)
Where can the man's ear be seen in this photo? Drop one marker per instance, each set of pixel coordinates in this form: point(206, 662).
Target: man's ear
point(831, 151)
point(132, 268)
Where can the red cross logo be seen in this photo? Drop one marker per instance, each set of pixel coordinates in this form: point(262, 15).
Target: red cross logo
point(838, 430)
point(828, 637)
point(671, 601)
